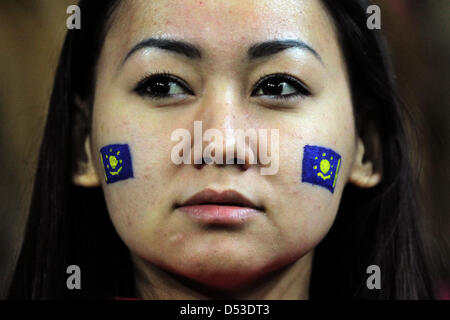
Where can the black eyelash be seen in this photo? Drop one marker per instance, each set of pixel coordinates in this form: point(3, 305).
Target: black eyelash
point(297, 84)
point(142, 86)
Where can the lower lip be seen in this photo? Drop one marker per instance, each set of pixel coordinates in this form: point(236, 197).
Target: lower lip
point(215, 214)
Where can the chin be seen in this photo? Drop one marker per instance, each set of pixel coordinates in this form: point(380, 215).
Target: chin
point(221, 280)
point(226, 273)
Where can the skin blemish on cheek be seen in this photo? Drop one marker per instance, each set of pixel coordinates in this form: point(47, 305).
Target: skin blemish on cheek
point(320, 166)
point(116, 160)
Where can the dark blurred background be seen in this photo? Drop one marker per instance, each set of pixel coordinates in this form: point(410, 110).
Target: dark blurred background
point(31, 35)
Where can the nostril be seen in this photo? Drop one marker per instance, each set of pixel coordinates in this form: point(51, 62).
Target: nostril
point(204, 161)
point(243, 165)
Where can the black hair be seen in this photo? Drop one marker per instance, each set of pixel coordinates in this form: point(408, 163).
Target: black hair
point(69, 225)
point(378, 226)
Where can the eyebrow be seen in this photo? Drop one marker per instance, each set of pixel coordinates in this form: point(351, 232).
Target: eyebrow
point(267, 48)
point(256, 51)
point(181, 47)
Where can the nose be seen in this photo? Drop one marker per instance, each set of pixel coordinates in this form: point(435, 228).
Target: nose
point(222, 148)
point(223, 118)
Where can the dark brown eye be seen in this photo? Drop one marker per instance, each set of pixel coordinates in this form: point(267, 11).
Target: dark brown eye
point(280, 86)
point(162, 86)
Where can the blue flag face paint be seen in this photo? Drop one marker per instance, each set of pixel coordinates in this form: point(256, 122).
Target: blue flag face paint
point(320, 166)
point(116, 161)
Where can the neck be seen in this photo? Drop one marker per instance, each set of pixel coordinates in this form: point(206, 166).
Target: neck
point(289, 283)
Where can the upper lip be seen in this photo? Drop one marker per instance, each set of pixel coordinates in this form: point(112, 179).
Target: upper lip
point(227, 197)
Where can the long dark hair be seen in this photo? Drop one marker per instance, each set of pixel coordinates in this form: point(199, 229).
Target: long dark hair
point(379, 226)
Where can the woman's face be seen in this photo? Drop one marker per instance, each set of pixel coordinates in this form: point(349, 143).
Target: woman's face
point(219, 84)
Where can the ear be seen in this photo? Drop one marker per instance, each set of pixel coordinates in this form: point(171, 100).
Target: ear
point(85, 174)
point(364, 173)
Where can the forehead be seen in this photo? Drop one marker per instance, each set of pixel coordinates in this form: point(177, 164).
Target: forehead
point(218, 25)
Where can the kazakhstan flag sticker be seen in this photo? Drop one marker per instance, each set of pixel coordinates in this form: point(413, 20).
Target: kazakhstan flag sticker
point(116, 161)
point(320, 166)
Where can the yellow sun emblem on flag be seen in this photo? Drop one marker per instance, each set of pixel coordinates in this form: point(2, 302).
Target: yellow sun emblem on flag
point(320, 166)
point(113, 162)
point(325, 167)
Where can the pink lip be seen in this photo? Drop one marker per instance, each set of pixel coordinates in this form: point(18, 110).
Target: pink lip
point(227, 207)
point(220, 214)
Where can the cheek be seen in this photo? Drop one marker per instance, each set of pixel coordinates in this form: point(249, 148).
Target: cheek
point(304, 212)
point(132, 200)
point(307, 209)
